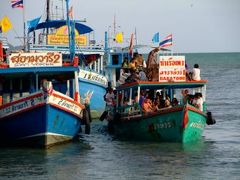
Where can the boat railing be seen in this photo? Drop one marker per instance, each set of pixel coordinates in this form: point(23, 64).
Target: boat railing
point(95, 48)
point(129, 110)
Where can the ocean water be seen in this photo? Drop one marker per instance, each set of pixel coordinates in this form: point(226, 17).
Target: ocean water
point(100, 156)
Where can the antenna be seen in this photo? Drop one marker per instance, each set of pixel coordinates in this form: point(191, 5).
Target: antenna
point(114, 25)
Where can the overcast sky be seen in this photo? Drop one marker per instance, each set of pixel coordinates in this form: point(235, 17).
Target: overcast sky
point(196, 25)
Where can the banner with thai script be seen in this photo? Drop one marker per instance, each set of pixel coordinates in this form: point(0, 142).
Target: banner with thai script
point(44, 59)
point(22, 104)
point(63, 40)
point(92, 76)
point(64, 103)
point(172, 68)
point(61, 37)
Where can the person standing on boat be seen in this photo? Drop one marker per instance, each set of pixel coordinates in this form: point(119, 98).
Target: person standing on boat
point(196, 73)
point(152, 65)
point(110, 98)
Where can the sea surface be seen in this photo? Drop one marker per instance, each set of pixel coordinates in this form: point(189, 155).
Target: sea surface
point(101, 156)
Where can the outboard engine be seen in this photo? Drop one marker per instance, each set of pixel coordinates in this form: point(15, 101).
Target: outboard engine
point(210, 119)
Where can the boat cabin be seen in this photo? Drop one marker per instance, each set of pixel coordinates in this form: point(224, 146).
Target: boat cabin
point(129, 96)
point(25, 73)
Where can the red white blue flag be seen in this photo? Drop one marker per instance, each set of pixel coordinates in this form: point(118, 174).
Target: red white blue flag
point(167, 41)
point(17, 3)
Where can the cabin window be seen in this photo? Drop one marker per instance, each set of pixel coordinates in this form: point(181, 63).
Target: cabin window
point(115, 60)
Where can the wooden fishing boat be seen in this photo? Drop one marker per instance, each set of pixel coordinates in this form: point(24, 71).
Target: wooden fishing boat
point(179, 122)
point(32, 111)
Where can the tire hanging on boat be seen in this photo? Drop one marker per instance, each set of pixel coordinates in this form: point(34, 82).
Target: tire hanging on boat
point(87, 118)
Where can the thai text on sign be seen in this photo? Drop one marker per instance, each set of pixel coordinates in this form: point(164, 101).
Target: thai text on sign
point(172, 68)
point(22, 104)
point(45, 59)
point(93, 77)
point(65, 103)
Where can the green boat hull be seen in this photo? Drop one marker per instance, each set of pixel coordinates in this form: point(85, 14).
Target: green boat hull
point(179, 124)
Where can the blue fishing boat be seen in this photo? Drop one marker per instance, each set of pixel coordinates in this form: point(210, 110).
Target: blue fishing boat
point(32, 112)
point(91, 65)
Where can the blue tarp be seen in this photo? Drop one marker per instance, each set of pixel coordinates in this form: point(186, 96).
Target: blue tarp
point(81, 28)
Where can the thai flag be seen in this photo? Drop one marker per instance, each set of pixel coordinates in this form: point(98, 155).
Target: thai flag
point(17, 3)
point(167, 41)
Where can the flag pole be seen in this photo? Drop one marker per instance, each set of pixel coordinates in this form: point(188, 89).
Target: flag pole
point(172, 46)
point(24, 28)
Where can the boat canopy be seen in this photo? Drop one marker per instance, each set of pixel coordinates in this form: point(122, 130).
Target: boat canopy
point(161, 85)
point(81, 28)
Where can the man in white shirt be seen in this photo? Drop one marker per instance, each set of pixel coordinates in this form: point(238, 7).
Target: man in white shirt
point(110, 97)
point(198, 101)
point(196, 73)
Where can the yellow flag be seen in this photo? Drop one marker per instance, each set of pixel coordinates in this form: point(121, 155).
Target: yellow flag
point(6, 24)
point(119, 37)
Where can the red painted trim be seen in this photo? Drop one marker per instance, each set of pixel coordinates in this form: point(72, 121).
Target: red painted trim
point(195, 110)
point(64, 109)
point(20, 100)
point(69, 100)
point(24, 110)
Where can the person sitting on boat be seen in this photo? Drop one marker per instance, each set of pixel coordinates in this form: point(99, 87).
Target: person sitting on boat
point(174, 102)
point(46, 86)
point(185, 96)
point(134, 76)
point(188, 74)
point(125, 63)
point(123, 76)
point(132, 65)
point(142, 75)
point(147, 106)
point(167, 103)
point(156, 105)
point(142, 97)
point(196, 73)
point(198, 101)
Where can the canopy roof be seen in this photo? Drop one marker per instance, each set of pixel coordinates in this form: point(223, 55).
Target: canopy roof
point(160, 85)
point(81, 28)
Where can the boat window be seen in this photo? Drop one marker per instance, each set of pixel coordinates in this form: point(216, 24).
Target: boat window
point(115, 60)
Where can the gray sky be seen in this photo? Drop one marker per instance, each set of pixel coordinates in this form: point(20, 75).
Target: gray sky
point(196, 25)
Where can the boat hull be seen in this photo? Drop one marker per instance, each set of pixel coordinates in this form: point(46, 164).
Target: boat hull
point(40, 119)
point(172, 125)
point(42, 126)
point(96, 83)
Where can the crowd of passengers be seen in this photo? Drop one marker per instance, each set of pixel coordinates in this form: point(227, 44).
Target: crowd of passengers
point(150, 103)
point(136, 70)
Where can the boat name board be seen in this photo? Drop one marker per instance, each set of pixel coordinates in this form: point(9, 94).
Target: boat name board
point(197, 125)
point(22, 105)
point(65, 104)
point(172, 68)
point(161, 125)
point(36, 59)
point(92, 76)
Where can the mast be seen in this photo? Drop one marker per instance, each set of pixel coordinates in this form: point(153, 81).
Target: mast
point(71, 33)
point(24, 28)
point(114, 25)
point(48, 17)
point(135, 35)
